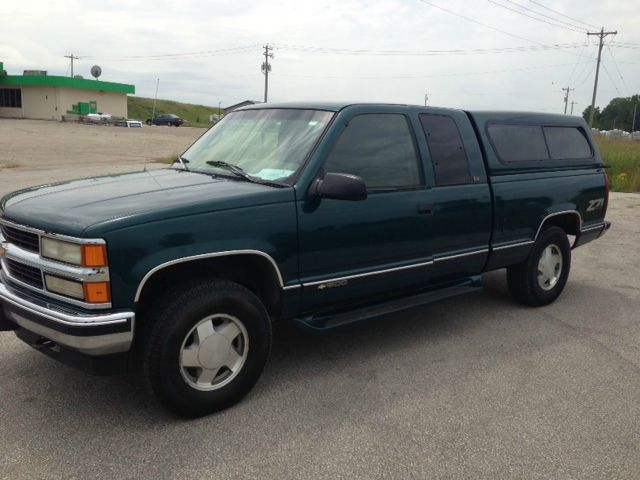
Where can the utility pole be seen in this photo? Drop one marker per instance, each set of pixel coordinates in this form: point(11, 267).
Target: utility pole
point(601, 35)
point(572, 104)
point(566, 97)
point(266, 68)
point(426, 98)
point(633, 122)
point(155, 99)
point(72, 58)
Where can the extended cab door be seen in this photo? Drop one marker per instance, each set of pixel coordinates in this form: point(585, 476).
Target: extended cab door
point(354, 249)
point(462, 208)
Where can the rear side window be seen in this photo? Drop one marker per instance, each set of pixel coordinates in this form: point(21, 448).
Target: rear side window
point(447, 150)
point(518, 143)
point(567, 143)
point(380, 149)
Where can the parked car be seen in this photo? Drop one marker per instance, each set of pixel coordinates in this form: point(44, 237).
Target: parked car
point(128, 123)
point(99, 116)
point(165, 119)
point(321, 214)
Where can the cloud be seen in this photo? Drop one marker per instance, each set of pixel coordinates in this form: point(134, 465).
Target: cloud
point(40, 33)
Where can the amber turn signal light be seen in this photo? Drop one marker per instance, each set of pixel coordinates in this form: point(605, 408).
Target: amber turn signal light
point(94, 255)
point(97, 292)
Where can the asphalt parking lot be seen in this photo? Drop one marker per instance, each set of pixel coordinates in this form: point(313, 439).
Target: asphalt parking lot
point(473, 387)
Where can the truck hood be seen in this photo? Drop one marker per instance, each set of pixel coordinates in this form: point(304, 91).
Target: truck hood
point(105, 203)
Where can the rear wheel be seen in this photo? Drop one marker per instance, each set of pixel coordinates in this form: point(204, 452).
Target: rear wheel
point(148, 122)
point(540, 279)
point(206, 348)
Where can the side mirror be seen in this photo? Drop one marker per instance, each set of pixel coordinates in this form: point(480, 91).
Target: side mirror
point(340, 186)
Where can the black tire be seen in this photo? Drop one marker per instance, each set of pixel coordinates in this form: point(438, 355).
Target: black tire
point(148, 122)
point(523, 278)
point(172, 322)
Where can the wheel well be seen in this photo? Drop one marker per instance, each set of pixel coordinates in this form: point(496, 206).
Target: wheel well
point(251, 271)
point(569, 222)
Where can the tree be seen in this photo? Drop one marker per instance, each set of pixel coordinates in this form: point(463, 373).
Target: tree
point(617, 114)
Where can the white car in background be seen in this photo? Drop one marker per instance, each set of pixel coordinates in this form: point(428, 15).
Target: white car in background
point(99, 117)
point(128, 123)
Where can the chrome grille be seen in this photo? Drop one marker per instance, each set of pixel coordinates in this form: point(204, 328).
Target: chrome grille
point(23, 239)
point(25, 273)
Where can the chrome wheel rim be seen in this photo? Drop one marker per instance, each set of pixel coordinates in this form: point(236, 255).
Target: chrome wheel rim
point(549, 267)
point(214, 352)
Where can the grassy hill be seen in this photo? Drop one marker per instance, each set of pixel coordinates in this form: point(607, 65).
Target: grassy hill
point(140, 108)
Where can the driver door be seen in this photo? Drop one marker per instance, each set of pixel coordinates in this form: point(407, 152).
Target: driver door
point(350, 250)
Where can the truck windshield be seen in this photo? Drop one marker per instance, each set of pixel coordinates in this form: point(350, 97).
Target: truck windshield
point(268, 144)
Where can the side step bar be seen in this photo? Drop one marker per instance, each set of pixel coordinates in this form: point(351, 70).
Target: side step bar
point(328, 322)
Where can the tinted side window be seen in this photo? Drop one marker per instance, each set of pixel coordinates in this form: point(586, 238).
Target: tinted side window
point(380, 149)
point(447, 150)
point(567, 143)
point(518, 143)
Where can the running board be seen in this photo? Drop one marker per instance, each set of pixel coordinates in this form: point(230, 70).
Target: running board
point(328, 322)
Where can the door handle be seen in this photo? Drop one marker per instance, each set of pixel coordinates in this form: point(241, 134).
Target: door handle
point(425, 209)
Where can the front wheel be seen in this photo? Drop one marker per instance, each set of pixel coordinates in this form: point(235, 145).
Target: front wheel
point(206, 348)
point(540, 279)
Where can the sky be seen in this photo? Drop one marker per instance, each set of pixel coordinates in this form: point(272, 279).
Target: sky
point(482, 54)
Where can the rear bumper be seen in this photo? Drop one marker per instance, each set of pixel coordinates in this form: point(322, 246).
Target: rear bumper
point(87, 333)
point(592, 232)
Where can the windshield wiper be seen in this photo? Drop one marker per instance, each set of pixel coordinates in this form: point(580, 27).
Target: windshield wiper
point(242, 174)
point(183, 161)
point(233, 168)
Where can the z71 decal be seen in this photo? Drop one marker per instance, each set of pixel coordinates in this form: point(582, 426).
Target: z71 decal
point(596, 204)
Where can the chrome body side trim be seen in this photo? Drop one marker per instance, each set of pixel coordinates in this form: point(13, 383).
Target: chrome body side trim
point(291, 287)
point(574, 212)
point(593, 227)
point(203, 256)
point(395, 269)
point(368, 274)
point(503, 246)
point(460, 255)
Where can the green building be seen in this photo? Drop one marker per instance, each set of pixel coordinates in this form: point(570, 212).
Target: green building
point(40, 96)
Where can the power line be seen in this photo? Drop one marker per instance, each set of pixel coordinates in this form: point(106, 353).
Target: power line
point(615, 62)
point(581, 30)
point(562, 14)
point(477, 51)
point(576, 64)
point(477, 22)
point(606, 70)
point(554, 19)
point(171, 56)
point(434, 75)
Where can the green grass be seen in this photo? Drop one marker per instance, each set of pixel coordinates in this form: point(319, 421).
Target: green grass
point(141, 108)
point(624, 158)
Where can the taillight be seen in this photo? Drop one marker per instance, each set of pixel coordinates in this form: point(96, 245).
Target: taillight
point(607, 187)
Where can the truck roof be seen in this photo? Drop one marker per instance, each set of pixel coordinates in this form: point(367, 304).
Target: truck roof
point(494, 115)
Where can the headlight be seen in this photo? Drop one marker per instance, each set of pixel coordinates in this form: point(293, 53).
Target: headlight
point(63, 251)
point(91, 255)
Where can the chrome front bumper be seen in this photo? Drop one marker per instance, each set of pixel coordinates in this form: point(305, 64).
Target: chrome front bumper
point(91, 334)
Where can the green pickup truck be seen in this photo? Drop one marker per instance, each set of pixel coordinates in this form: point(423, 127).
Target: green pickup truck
point(321, 214)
